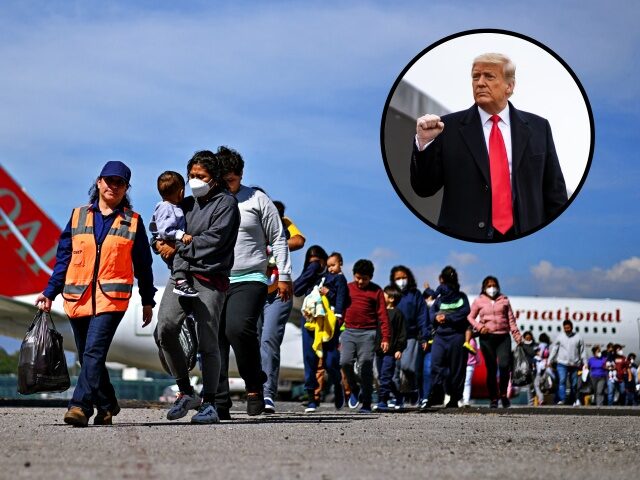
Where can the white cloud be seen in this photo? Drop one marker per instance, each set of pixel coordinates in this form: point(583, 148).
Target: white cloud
point(462, 259)
point(622, 280)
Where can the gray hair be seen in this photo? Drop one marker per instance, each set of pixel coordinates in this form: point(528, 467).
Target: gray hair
point(508, 67)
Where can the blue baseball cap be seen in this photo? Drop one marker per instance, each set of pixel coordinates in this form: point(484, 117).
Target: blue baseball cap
point(115, 168)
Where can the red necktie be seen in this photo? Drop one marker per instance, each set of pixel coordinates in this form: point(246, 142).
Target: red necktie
point(501, 206)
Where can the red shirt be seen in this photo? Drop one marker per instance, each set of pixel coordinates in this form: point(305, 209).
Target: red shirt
point(367, 309)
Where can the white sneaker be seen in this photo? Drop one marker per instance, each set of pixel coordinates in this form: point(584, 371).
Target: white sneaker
point(269, 405)
point(577, 403)
point(182, 405)
point(206, 414)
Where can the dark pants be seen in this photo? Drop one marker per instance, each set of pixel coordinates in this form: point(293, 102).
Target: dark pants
point(426, 373)
point(386, 365)
point(448, 367)
point(330, 361)
point(206, 309)
point(239, 329)
point(496, 350)
point(93, 336)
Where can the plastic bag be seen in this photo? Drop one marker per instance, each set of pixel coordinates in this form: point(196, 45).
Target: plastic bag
point(521, 372)
point(42, 366)
point(188, 341)
point(548, 381)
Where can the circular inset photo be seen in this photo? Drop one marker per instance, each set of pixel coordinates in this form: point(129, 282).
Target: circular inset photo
point(487, 135)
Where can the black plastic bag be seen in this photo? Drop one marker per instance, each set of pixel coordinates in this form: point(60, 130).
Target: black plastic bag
point(521, 374)
point(42, 366)
point(188, 341)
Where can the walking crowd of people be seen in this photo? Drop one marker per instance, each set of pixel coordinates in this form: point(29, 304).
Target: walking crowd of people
point(228, 249)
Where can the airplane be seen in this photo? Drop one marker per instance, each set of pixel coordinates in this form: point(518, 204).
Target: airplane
point(28, 240)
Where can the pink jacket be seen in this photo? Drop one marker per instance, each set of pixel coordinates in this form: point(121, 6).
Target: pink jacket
point(496, 315)
point(473, 357)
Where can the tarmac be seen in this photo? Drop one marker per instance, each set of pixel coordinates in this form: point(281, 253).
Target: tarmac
point(520, 442)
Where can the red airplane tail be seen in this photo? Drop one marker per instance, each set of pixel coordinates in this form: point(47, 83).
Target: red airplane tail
point(28, 241)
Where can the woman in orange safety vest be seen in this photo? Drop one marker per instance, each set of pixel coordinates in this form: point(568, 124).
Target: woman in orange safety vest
point(103, 247)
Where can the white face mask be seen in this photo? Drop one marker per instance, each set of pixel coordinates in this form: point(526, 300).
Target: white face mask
point(620, 352)
point(430, 303)
point(599, 354)
point(491, 291)
point(199, 188)
point(402, 283)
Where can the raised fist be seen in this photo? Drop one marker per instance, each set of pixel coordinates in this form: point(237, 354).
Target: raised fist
point(428, 127)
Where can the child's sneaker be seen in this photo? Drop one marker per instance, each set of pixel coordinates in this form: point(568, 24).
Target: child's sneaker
point(182, 405)
point(381, 407)
point(206, 414)
point(354, 402)
point(469, 348)
point(269, 405)
point(311, 407)
point(185, 290)
point(366, 408)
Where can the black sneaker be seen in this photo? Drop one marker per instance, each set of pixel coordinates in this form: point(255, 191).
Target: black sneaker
point(493, 404)
point(255, 403)
point(223, 413)
point(185, 290)
point(506, 403)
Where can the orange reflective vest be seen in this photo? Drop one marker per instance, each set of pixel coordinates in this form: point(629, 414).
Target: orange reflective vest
point(99, 277)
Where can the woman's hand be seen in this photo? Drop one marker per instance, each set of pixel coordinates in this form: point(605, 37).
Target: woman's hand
point(484, 331)
point(324, 291)
point(147, 315)
point(440, 318)
point(43, 303)
point(165, 249)
point(397, 355)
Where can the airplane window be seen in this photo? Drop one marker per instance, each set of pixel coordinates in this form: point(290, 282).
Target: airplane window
point(577, 329)
point(613, 330)
point(549, 328)
point(604, 329)
point(521, 328)
point(586, 329)
point(558, 328)
point(540, 328)
point(595, 329)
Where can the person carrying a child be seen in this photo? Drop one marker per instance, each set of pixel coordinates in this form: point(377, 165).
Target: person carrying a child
point(314, 275)
point(168, 224)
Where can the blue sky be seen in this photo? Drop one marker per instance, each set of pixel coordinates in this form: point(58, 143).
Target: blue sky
point(299, 91)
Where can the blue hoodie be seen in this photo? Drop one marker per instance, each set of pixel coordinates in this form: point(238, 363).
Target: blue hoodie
point(455, 305)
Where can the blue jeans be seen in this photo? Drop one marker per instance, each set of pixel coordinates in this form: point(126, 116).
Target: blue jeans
point(612, 386)
point(93, 336)
point(271, 327)
point(330, 356)
point(565, 371)
point(386, 365)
